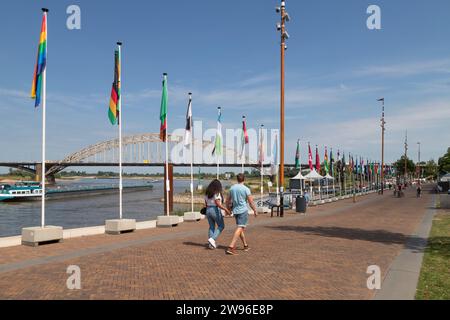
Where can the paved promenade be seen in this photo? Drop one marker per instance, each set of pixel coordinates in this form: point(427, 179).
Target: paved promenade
point(323, 255)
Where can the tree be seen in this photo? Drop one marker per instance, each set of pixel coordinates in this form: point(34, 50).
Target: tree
point(430, 169)
point(444, 163)
point(399, 166)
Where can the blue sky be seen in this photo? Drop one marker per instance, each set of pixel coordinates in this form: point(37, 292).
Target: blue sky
point(227, 54)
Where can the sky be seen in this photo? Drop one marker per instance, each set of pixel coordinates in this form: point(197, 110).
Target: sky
point(227, 54)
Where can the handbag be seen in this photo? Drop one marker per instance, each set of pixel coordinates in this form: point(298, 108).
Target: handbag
point(203, 211)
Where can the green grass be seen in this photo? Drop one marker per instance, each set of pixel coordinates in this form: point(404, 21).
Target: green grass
point(434, 281)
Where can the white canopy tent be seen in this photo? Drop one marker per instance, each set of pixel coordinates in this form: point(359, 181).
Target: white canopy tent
point(313, 175)
point(301, 182)
point(299, 176)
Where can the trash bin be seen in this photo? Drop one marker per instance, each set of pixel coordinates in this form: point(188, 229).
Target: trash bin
point(300, 204)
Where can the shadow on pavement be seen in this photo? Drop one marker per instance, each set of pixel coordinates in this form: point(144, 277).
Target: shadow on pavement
point(381, 236)
point(202, 245)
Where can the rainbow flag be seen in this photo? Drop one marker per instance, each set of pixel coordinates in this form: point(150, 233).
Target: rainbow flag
point(41, 62)
point(114, 102)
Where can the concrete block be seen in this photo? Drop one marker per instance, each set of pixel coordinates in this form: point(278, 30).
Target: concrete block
point(118, 226)
point(192, 216)
point(10, 241)
point(168, 221)
point(34, 236)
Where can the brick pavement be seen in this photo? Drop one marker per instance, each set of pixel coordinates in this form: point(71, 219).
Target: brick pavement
point(321, 256)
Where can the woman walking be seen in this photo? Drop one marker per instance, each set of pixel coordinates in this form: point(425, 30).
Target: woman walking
point(213, 203)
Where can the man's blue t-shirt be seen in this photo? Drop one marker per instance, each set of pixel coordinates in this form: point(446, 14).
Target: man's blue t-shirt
point(239, 194)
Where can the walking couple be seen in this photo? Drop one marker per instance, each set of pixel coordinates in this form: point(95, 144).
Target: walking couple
point(236, 204)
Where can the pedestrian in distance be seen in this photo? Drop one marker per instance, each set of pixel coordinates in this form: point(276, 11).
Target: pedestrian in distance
point(214, 205)
point(419, 190)
point(239, 199)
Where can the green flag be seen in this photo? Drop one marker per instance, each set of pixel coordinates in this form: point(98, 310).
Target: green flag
point(163, 110)
point(297, 156)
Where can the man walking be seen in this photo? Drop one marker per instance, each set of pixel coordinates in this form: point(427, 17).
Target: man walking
point(238, 200)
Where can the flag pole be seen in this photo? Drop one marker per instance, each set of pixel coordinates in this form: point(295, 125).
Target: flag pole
point(119, 45)
point(192, 158)
point(332, 172)
point(167, 156)
point(243, 147)
point(44, 105)
point(277, 170)
point(218, 152)
point(261, 159)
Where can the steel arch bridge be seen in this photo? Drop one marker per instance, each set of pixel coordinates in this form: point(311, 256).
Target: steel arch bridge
point(137, 150)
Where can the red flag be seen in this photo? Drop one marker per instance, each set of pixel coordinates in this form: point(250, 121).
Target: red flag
point(317, 160)
point(310, 158)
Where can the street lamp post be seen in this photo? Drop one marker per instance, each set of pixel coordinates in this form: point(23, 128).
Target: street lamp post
point(382, 145)
point(406, 155)
point(284, 36)
point(418, 157)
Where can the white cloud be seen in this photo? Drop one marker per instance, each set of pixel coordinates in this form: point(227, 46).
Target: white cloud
point(441, 66)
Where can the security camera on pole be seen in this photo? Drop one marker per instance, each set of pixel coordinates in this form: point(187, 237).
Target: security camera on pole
point(284, 36)
point(382, 146)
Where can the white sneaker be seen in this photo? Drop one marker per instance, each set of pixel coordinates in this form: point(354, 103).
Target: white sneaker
point(212, 242)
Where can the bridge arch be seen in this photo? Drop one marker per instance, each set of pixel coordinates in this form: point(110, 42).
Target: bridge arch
point(139, 148)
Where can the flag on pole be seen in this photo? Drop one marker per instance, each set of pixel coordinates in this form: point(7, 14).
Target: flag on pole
point(343, 162)
point(310, 161)
point(325, 161)
point(114, 102)
point(274, 166)
point(189, 123)
point(331, 163)
point(217, 151)
point(41, 62)
point(317, 160)
point(244, 136)
point(163, 110)
point(297, 155)
point(350, 163)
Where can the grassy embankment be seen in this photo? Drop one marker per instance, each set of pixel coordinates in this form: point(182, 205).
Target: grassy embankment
point(434, 281)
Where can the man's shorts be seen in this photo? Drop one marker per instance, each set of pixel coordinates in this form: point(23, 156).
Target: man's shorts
point(241, 219)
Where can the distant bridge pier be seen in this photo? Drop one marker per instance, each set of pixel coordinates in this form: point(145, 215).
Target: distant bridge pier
point(38, 173)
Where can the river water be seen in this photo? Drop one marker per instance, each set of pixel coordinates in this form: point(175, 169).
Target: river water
point(89, 211)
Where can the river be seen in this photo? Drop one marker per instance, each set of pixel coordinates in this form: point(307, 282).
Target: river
point(88, 211)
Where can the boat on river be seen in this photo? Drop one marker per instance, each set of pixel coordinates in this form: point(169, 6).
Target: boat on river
point(23, 191)
point(20, 191)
